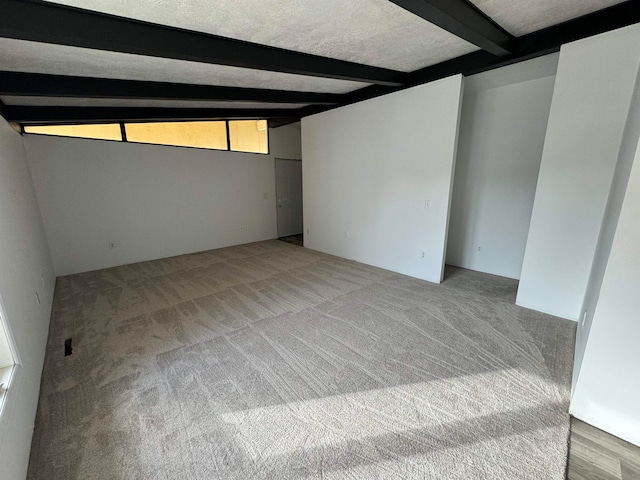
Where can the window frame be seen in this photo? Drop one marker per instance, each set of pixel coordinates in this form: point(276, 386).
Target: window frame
point(24, 132)
point(268, 145)
point(124, 139)
point(8, 371)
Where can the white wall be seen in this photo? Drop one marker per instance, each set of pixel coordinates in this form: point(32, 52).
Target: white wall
point(608, 390)
point(24, 265)
point(612, 213)
point(502, 129)
point(286, 141)
point(594, 84)
point(368, 170)
point(152, 201)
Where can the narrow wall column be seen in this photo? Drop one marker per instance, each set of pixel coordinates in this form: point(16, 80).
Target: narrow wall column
point(594, 84)
point(607, 391)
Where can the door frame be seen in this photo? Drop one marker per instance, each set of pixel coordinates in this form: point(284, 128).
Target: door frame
point(275, 180)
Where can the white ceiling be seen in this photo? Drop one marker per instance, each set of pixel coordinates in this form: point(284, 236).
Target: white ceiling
point(115, 102)
point(372, 32)
point(520, 17)
point(23, 56)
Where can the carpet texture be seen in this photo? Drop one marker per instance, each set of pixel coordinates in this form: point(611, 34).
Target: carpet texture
point(271, 361)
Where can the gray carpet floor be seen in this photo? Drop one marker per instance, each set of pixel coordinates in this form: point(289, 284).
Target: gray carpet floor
point(272, 361)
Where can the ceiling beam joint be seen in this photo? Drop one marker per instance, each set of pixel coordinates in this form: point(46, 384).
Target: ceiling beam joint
point(464, 20)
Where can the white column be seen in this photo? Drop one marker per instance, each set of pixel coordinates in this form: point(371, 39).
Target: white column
point(594, 84)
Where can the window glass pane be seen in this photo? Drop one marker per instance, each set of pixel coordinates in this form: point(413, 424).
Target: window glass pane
point(100, 132)
point(182, 134)
point(249, 136)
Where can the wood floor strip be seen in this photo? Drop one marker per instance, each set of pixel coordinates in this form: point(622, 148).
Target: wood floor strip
point(630, 470)
point(596, 455)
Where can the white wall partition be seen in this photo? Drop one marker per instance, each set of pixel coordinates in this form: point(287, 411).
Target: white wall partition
point(377, 178)
point(502, 128)
point(614, 205)
point(25, 269)
point(594, 84)
point(608, 389)
point(285, 142)
point(151, 201)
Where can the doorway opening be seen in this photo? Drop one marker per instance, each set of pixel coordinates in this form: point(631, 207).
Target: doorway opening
point(289, 200)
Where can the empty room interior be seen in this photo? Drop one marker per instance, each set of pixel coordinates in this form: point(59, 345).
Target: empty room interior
point(287, 239)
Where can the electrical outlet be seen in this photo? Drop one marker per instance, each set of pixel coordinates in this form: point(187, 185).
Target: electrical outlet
point(112, 245)
point(422, 254)
point(479, 249)
point(427, 204)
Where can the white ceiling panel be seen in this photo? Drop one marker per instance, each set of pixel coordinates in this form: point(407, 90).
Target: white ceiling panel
point(372, 32)
point(520, 17)
point(116, 102)
point(23, 56)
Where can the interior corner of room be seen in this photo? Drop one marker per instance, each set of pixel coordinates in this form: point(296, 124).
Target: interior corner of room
point(507, 198)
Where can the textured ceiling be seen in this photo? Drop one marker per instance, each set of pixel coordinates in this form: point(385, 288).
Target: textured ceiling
point(372, 32)
point(520, 17)
point(116, 102)
point(23, 56)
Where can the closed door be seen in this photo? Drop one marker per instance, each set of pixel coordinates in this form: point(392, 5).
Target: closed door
point(289, 196)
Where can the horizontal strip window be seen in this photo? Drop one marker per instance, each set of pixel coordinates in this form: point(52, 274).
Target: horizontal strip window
point(249, 136)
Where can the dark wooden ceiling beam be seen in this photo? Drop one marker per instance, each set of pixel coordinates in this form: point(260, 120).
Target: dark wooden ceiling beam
point(43, 85)
point(61, 115)
point(463, 19)
point(40, 21)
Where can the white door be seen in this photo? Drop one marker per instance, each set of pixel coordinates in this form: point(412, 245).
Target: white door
point(289, 196)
